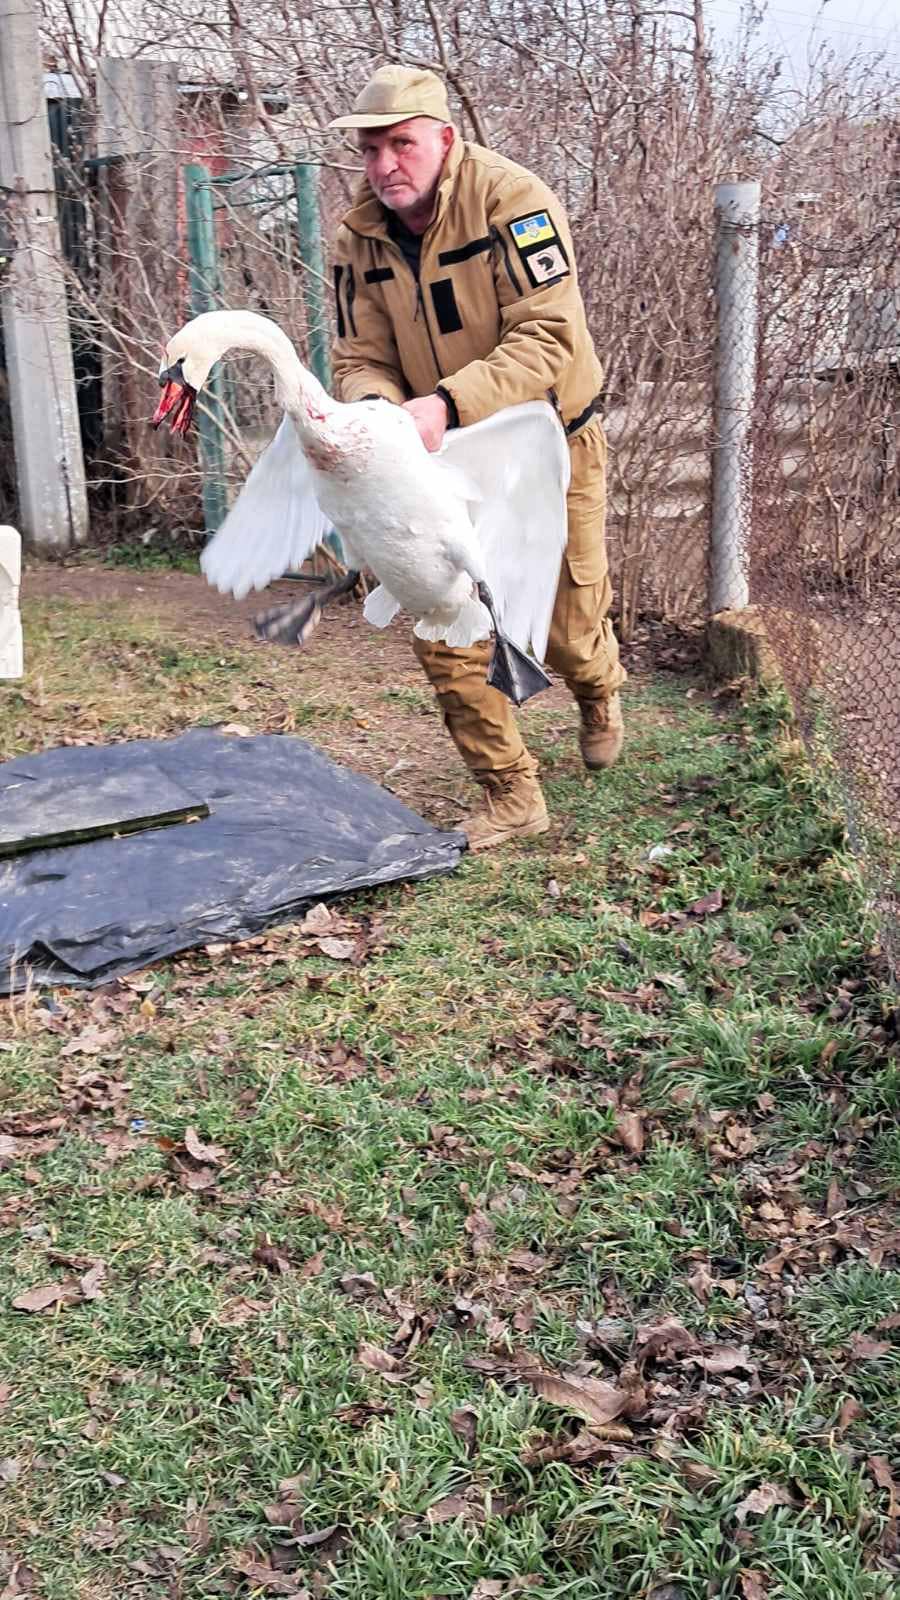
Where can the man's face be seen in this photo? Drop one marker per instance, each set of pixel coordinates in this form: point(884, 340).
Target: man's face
point(403, 163)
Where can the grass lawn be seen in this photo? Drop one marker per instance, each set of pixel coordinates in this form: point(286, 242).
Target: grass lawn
point(551, 1247)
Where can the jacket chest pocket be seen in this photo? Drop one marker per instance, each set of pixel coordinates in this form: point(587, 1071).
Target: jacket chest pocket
point(462, 297)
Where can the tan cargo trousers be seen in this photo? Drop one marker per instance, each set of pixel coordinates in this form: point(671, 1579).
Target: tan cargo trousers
point(582, 647)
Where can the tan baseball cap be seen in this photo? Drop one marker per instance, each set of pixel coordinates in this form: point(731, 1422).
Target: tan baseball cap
point(394, 93)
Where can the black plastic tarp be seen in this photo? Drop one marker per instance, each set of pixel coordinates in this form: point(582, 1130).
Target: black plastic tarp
point(287, 827)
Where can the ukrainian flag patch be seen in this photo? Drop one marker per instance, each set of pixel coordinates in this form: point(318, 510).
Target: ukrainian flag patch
point(532, 230)
point(541, 250)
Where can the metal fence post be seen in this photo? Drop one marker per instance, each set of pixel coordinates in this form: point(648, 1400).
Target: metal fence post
point(205, 292)
point(737, 294)
point(312, 257)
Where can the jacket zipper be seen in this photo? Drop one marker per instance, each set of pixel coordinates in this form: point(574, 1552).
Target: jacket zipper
point(421, 303)
point(420, 299)
point(498, 238)
point(350, 296)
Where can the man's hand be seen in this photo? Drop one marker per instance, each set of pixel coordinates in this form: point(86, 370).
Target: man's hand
point(430, 417)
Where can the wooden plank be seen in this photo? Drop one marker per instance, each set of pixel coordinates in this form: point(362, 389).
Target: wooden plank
point(38, 814)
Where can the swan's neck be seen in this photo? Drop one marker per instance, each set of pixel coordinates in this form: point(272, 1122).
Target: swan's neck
point(298, 390)
point(301, 394)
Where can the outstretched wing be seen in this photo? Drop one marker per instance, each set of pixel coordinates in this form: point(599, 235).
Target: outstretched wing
point(518, 459)
point(274, 524)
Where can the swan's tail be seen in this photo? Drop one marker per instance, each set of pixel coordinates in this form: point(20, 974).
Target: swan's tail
point(380, 607)
point(471, 623)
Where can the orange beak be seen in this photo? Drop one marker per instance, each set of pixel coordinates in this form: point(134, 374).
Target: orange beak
point(176, 402)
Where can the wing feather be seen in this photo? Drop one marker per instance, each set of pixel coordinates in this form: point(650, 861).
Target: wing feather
point(274, 524)
point(519, 461)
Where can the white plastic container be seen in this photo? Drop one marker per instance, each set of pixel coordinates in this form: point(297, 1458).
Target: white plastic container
point(12, 655)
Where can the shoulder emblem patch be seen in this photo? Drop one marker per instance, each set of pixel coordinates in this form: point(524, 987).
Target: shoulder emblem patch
point(540, 248)
point(547, 264)
point(532, 230)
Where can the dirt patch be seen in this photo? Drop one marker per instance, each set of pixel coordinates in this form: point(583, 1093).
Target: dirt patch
point(383, 723)
point(184, 599)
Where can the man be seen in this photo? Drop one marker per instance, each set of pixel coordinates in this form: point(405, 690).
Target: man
point(457, 295)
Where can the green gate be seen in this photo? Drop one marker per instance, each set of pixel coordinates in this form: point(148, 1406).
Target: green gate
point(200, 187)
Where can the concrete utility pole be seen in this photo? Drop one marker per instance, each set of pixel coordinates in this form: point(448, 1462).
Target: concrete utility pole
point(49, 462)
point(137, 121)
point(737, 293)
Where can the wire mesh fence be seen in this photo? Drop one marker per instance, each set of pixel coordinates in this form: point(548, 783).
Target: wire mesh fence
point(821, 557)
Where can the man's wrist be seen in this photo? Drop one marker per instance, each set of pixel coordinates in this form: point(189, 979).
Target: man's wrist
point(450, 403)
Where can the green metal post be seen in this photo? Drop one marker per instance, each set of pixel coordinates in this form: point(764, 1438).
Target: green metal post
point(312, 258)
point(205, 290)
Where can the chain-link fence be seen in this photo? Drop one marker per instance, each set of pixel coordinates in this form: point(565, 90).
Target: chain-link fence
point(806, 492)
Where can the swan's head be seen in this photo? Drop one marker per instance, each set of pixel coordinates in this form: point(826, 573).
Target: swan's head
point(186, 364)
point(190, 356)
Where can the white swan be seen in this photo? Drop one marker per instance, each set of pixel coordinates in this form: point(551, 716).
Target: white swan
point(459, 539)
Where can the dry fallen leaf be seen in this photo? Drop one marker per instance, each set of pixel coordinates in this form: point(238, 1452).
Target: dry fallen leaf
point(862, 1348)
point(880, 1468)
point(580, 1450)
point(451, 1507)
point(93, 1041)
point(527, 1262)
point(271, 1255)
point(464, 1423)
point(49, 1294)
point(727, 1358)
point(315, 1536)
point(481, 1230)
point(628, 1129)
point(591, 1398)
point(707, 906)
point(763, 1499)
point(267, 1578)
point(702, 1282)
point(317, 920)
point(754, 1584)
point(90, 1283)
point(356, 1416)
point(663, 1340)
point(337, 949)
point(850, 1412)
point(206, 1154)
point(312, 1266)
point(359, 1285)
point(235, 1313)
point(376, 1360)
point(741, 1138)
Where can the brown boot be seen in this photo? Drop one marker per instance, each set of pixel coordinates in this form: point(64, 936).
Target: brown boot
point(602, 731)
point(514, 808)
